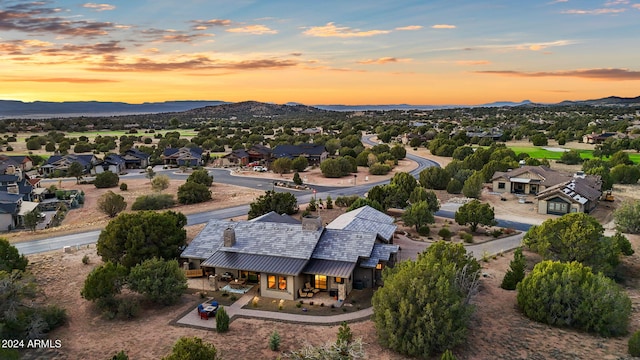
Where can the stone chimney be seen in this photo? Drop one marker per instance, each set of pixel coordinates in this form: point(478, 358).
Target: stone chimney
point(312, 223)
point(229, 237)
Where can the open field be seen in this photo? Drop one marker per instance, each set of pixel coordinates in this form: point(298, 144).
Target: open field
point(541, 153)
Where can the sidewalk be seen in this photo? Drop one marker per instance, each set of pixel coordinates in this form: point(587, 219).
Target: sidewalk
point(236, 311)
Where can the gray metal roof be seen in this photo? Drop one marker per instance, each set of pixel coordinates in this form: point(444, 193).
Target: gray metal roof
point(344, 245)
point(257, 263)
point(329, 268)
point(365, 219)
point(381, 252)
point(273, 216)
point(260, 238)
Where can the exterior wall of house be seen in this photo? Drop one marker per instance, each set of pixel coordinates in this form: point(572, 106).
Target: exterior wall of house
point(288, 294)
point(572, 207)
point(496, 186)
point(366, 276)
point(6, 222)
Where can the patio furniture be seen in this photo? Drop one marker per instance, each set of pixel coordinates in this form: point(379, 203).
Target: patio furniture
point(203, 314)
point(308, 288)
point(227, 276)
point(303, 294)
point(237, 284)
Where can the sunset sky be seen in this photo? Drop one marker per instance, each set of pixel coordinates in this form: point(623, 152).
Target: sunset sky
point(319, 52)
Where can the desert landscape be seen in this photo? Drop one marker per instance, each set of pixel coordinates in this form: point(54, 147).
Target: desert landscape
point(498, 329)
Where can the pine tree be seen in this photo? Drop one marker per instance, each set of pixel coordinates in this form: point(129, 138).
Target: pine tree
point(515, 274)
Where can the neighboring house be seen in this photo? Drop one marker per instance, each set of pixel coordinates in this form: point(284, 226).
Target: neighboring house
point(136, 159)
point(183, 156)
point(17, 184)
point(314, 153)
point(580, 194)
point(259, 153)
point(310, 131)
point(21, 162)
point(594, 138)
point(282, 256)
point(62, 162)
point(238, 157)
point(9, 208)
point(112, 162)
point(527, 180)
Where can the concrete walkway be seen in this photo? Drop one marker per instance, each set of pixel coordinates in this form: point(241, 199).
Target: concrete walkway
point(236, 311)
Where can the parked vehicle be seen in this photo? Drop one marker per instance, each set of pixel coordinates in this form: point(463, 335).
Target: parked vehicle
point(259, 168)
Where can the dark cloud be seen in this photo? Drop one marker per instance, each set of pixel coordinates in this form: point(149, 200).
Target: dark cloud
point(205, 24)
point(599, 74)
point(95, 49)
point(199, 63)
point(160, 35)
point(37, 17)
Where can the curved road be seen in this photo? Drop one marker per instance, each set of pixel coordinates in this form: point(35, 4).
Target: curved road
point(224, 176)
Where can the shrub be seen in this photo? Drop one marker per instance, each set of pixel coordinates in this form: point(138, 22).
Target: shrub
point(193, 193)
point(124, 187)
point(424, 230)
point(154, 202)
point(634, 344)
point(379, 169)
point(466, 237)
point(222, 320)
point(54, 316)
point(571, 295)
point(85, 259)
point(448, 355)
point(496, 232)
point(346, 201)
point(274, 341)
point(445, 233)
point(515, 274)
point(329, 202)
point(128, 308)
point(106, 179)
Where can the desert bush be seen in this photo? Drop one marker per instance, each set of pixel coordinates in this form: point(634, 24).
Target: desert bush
point(515, 274)
point(85, 259)
point(346, 201)
point(222, 320)
point(424, 230)
point(466, 237)
point(124, 187)
point(193, 193)
point(128, 308)
point(634, 344)
point(154, 202)
point(106, 179)
point(571, 295)
point(445, 233)
point(496, 232)
point(274, 341)
point(379, 169)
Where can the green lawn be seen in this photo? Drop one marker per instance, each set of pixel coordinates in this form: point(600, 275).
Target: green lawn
point(540, 153)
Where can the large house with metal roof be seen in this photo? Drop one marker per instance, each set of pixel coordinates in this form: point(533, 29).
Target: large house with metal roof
point(580, 194)
point(282, 255)
point(315, 153)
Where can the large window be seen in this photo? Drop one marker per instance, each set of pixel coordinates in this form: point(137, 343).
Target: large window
point(557, 207)
point(277, 282)
point(500, 185)
point(321, 282)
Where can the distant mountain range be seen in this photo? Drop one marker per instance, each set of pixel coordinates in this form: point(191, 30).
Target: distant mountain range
point(44, 109)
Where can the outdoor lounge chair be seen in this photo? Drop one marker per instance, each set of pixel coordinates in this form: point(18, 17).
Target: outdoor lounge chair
point(309, 289)
point(303, 294)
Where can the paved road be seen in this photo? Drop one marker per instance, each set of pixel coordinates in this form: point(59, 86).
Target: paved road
point(223, 176)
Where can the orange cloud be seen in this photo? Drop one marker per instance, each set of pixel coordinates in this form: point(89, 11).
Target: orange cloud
point(472, 62)
point(598, 74)
point(59, 80)
point(98, 7)
point(253, 29)
point(409, 28)
point(383, 60)
point(443, 26)
point(196, 63)
point(330, 30)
